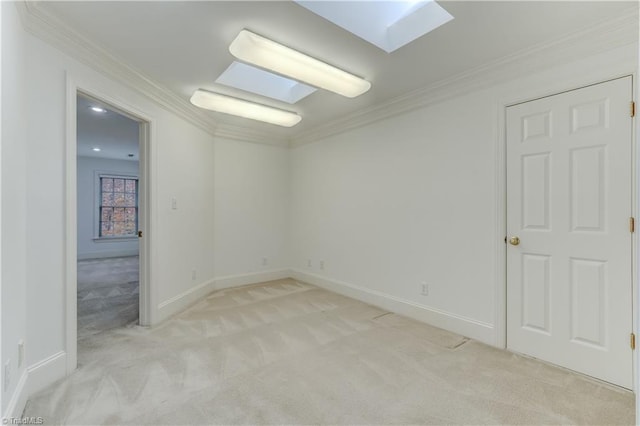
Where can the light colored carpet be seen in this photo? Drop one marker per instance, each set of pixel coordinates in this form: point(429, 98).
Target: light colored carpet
point(108, 294)
point(284, 352)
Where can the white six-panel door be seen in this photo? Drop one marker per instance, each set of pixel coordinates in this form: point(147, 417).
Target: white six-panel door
point(569, 182)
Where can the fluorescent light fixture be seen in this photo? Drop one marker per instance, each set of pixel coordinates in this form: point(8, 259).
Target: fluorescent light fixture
point(98, 109)
point(234, 106)
point(96, 149)
point(265, 53)
point(264, 83)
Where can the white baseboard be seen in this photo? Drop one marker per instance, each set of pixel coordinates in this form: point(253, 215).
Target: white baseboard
point(185, 299)
point(182, 301)
point(107, 254)
point(251, 278)
point(18, 399)
point(47, 371)
point(468, 327)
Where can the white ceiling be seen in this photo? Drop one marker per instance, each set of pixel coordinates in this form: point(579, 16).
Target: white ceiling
point(115, 135)
point(184, 45)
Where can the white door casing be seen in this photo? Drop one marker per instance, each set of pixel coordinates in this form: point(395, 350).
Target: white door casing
point(569, 200)
point(146, 218)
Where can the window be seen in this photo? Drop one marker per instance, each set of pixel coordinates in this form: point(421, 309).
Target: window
point(118, 203)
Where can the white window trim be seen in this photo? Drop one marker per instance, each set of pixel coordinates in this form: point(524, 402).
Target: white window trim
point(97, 192)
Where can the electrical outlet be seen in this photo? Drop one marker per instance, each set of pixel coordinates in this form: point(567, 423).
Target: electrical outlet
point(322, 264)
point(7, 375)
point(20, 353)
point(424, 288)
point(308, 263)
point(265, 261)
point(174, 203)
point(193, 275)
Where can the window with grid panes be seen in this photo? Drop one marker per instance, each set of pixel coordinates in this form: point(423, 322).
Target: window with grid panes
point(118, 206)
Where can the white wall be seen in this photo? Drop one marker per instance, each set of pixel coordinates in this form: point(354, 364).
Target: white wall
point(415, 198)
point(88, 248)
point(182, 159)
point(251, 210)
point(184, 237)
point(13, 223)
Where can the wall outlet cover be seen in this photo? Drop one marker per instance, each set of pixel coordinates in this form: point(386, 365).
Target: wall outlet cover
point(20, 353)
point(7, 375)
point(424, 289)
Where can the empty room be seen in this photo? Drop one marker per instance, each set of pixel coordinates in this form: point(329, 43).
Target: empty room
point(319, 212)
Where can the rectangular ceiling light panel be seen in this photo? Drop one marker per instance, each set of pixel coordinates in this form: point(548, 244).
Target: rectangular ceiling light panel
point(241, 108)
point(388, 25)
point(265, 53)
point(256, 80)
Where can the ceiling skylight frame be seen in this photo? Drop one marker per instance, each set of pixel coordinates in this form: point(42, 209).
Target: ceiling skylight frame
point(388, 25)
point(256, 80)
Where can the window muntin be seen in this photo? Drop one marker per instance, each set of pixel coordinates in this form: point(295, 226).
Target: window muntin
point(118, 211)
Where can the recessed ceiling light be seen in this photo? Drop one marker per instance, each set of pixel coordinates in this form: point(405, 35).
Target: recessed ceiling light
point(96, 149)
point(234, 106)
point(98, 109)
point(265, 53)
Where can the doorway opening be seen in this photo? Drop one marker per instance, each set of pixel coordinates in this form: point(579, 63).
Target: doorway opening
point(107, 260)
point(107, 217)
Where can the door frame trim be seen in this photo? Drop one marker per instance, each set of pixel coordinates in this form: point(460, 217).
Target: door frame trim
point(147, 167)
point(500, 315)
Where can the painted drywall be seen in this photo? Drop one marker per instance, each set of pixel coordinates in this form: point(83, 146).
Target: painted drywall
point(88, 246)
point(387, 207)
point(251, 208)
point(13, 223)
point(413, 199)
point(181, 168)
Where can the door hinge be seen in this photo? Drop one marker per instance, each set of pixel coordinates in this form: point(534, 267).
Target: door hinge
point(632, 225)
point(632, 341)
point(633, 109)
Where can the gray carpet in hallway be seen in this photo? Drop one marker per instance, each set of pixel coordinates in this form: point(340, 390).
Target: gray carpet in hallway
point(107, 294)
point(285, 352)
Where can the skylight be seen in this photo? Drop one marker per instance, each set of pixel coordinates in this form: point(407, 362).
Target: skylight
point(252, 79)
point(388, 25)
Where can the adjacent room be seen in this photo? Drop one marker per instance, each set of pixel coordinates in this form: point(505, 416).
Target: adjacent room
point(319, 212)
point(108, 258)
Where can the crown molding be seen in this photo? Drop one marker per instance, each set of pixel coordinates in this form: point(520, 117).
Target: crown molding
point(58, 34)
point(234, 132)
point(617, 32)
point(610, 34)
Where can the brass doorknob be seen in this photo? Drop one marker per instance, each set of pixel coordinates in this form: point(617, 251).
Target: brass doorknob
point(514, 241)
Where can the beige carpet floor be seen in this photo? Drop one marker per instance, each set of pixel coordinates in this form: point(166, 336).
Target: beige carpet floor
point(285, 352)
